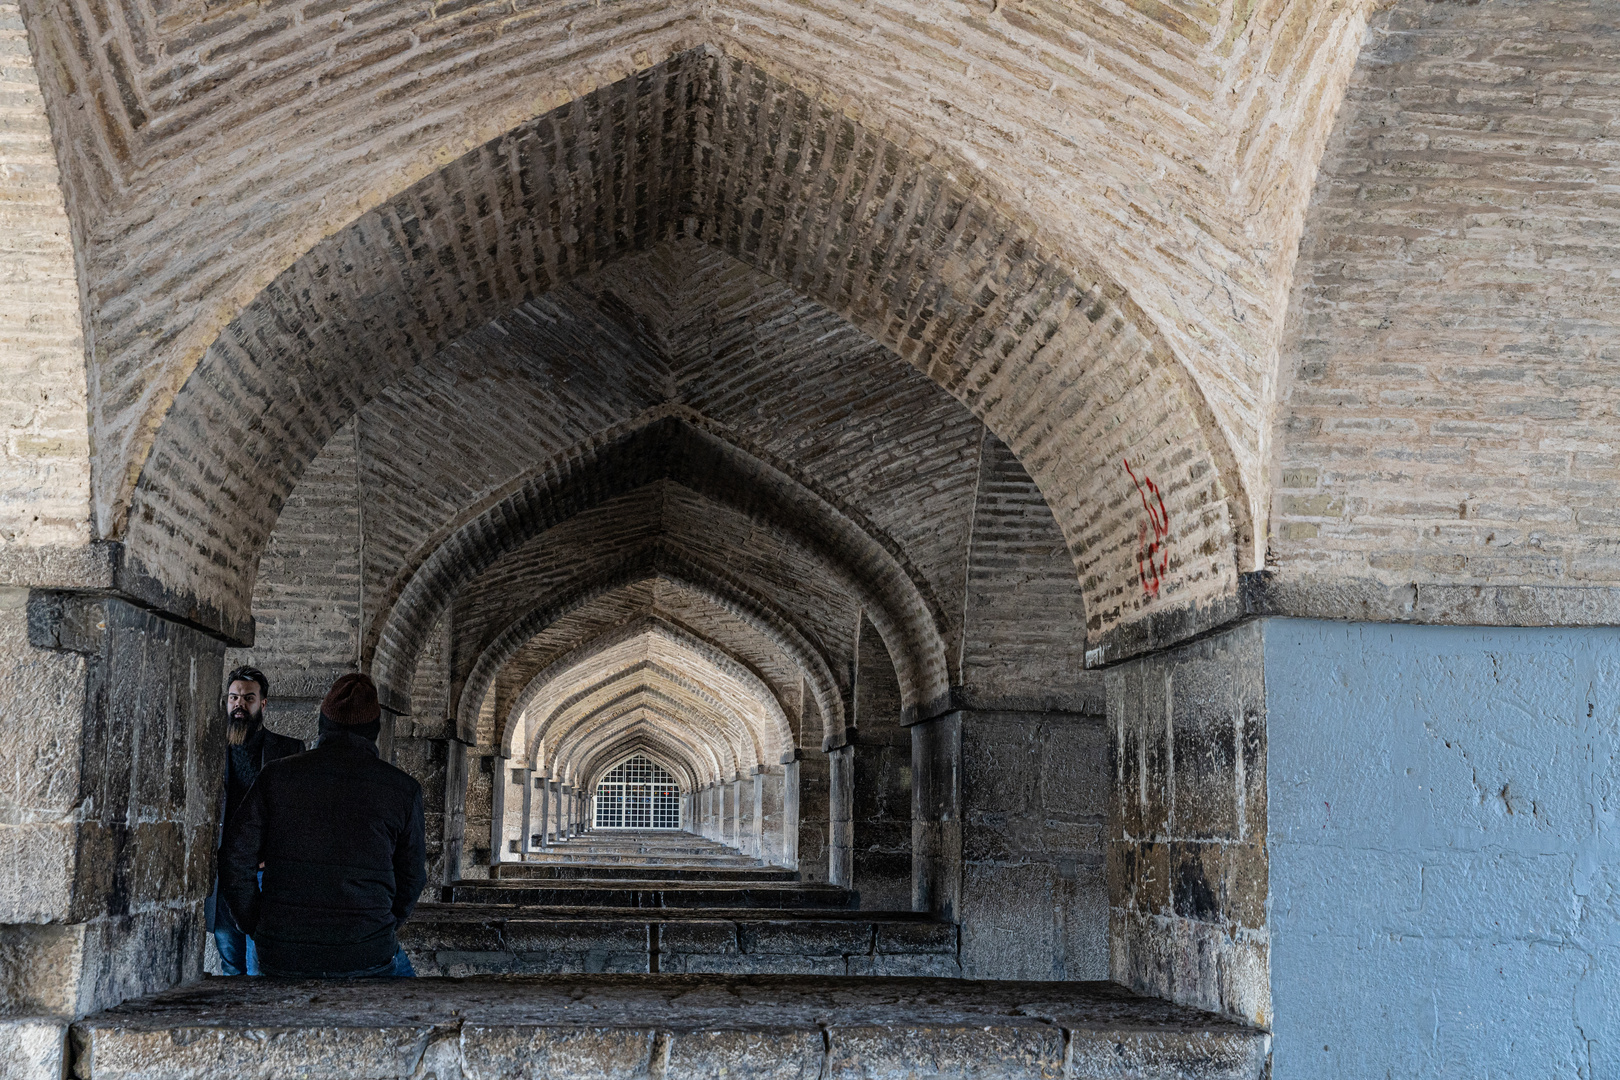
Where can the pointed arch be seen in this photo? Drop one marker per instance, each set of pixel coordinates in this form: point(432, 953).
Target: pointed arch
point(1056, 360)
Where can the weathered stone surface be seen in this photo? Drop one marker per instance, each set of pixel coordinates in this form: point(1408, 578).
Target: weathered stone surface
point(1187, 871)
point(686, 1026)
point(33, 1048)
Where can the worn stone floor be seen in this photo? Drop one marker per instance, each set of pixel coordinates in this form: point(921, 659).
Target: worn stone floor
point(668, 1026)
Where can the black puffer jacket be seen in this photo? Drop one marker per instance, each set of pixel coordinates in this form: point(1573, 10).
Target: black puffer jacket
point(340, 834)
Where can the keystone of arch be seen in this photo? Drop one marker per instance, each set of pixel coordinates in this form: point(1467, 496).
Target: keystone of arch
point(584, 654)
point(672, 450)
point(1054, 356)
point(658, 561)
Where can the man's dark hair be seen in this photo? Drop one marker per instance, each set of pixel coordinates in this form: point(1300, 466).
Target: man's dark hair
point(249, 674)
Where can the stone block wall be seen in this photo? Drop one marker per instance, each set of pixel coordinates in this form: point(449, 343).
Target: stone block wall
point(812, 809)
point(476, 816)
point(1008, 819)
point(1034, 799)
point(110, 799)
point(879, 780)
point(1187, 824)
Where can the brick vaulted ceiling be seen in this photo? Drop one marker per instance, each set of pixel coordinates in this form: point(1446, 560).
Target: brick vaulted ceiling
point(680, 442)
point(1160, 152)
point(1063, 370)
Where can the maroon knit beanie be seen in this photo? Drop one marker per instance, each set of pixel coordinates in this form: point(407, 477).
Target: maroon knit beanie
point(352, 701)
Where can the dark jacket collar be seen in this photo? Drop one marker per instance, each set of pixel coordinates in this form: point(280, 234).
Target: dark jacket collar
point(346, 740)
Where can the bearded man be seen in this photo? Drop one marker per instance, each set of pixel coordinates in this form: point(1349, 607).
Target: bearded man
point(250, 747)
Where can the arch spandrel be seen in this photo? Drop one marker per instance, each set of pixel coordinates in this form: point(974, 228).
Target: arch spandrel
point(953, 300)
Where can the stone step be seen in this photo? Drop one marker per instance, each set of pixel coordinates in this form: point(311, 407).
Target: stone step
point(600, 872)
point(460, 940)
point(651, 894)
point(679, 1027)
point(614, 859)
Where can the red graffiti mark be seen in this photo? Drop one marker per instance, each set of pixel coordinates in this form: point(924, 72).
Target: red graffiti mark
point(1152, 556)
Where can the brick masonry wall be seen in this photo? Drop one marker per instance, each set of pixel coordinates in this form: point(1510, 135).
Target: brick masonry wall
point(306, 600)
point(44, 427)
point(1024, 646)
point(1450, 415)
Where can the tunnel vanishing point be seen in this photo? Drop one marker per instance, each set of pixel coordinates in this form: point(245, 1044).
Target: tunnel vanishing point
point(972, 538)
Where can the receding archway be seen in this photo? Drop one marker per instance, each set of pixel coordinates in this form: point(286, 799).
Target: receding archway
point(1066, 372)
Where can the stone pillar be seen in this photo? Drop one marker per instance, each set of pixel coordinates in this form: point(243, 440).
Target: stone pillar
point(1186, 825)
point(499, 782)
point(112, 755)
point(841, 824)
point(776, 832)
point(812, 817)
point(455, 808)
point(936, 819)
point(879, 781)
point(756, 815)
point(544, 784)
point(731, 813)
point(526, 840)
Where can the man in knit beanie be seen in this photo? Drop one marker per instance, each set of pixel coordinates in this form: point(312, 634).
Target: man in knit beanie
point(339, 835)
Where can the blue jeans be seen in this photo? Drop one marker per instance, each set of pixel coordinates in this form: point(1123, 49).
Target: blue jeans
point(397, 968)
point(237, 955)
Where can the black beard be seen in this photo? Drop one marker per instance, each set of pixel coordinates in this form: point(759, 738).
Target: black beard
point(237, 727)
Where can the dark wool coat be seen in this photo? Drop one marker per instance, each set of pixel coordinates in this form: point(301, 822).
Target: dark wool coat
point(242, 765)
point(340, 834)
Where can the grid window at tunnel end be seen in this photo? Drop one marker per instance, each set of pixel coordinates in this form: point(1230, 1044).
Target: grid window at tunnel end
point(638, 794)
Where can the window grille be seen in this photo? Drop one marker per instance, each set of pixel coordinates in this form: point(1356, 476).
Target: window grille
point(638, 794)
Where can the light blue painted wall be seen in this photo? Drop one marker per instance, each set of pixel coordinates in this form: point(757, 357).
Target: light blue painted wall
point(1445, 894)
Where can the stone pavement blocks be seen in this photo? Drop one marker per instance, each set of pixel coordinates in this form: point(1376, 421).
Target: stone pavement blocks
point(379, 1052)
point(713, 938)
point(661, 1026)
point(991, 1052)
point(1096, 1055)
point(806, 938)
point(915, 937)
point(911, 965)
point(745, 1055)
point(579, 1053)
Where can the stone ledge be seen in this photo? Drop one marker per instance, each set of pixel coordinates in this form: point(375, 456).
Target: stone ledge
point(587, 1028)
